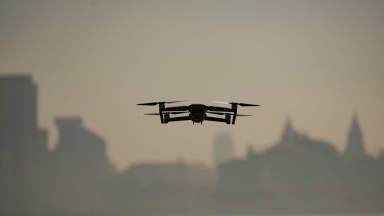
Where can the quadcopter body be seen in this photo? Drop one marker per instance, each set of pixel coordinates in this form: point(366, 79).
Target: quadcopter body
point(197, 113)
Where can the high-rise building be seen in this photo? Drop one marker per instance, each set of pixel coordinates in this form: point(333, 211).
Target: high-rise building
point(17, 112)
point(355, 150)
point(80, 161)
point(21, 144)
point(222, 148)
point(85, 147)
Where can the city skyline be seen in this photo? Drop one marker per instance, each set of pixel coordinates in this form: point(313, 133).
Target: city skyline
point(298, 174)
point(223, 138)
point(209, 162)
point(318, 62)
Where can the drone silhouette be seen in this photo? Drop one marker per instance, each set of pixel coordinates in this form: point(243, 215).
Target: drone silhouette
point(197, 112)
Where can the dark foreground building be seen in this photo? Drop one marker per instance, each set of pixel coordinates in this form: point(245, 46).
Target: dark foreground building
point(23, 146)
point(72, 178)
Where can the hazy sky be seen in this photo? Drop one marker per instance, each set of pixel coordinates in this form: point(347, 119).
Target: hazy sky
point(317, 61)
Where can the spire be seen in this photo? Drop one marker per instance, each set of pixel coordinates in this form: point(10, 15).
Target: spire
point(355, 128)
point(288, 124)
point(355, 147)
point(289, 133)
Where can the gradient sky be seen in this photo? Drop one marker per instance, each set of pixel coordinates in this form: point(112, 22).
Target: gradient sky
point(316, 61)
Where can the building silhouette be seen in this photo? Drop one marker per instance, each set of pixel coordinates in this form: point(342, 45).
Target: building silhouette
point(23, 145)
point(298, 174)
point(164, 188)
point(355, 150)
point(82, 171)
point(303, 175)
point(150, 189)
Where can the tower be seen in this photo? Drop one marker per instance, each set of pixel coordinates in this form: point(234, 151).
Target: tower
point(18, 113)
point(289, 134)
point(22, 144)
point(222, 148)
point(355, 150)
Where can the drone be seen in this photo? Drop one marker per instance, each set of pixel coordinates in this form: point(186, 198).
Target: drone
point(197, 113)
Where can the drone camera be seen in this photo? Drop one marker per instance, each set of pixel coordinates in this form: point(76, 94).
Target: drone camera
point(166, 118)
point(228, 118)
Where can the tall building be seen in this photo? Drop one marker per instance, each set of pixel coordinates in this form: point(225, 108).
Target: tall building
point(222, 148)
point(22, 144)
point(18, 119)
point(355, 150)
point(80, 161)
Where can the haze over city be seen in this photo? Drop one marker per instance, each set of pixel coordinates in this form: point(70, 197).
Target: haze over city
point(319, 62)
point(73, 142)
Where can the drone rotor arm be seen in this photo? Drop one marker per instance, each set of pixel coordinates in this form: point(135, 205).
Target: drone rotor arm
point(178, 108)
point(181, 118)
point(220, 109)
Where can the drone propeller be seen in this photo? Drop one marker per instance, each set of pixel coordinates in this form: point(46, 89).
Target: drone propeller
point(161, 107)
point(234, 107)
point(240, 104)
point(155, 103)
point(173, 113)
point(217, 113)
